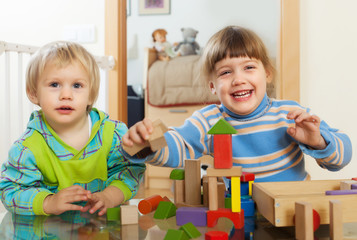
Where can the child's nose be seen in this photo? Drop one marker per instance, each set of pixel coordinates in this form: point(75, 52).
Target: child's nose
point(66, 93)
point(237, 79)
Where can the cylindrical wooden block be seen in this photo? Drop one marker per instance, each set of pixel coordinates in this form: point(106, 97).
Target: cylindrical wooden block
point(149, 204)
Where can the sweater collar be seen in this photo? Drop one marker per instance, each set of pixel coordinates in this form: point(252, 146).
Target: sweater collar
point(258, 112)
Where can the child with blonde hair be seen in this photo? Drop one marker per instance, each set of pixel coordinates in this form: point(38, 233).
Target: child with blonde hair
point(68, 158)
point(273, 135)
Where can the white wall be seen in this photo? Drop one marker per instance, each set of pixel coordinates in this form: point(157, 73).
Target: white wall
point(206, 16)
point(328, 70)
point(37, 22)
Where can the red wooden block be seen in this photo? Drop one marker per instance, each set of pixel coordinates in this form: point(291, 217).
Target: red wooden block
point(246, 177)
point(222, 147)
point(149, 204)
point(216, 235)
point(236, 217)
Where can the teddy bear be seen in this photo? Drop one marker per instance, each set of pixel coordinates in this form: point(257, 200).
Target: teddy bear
point(189, 46)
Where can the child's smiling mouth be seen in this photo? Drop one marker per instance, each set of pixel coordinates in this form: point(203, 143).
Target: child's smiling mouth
point(242, 94)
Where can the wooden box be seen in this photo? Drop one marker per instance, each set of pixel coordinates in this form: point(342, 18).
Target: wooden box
point(276, 200)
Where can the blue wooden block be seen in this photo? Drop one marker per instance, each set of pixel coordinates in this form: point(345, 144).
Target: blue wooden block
point(244, 188)
point(248, 206)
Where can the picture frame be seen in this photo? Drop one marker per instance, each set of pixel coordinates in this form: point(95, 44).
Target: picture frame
point(154, 7)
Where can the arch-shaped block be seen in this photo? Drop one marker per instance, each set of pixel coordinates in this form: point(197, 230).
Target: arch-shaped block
point(236, 217)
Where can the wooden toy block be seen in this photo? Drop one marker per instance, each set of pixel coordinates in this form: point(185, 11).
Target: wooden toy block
point(113, 214)
point(207, 160)
point(129, 214)
point(205, 190)
point(336, 220)
point(222, 147)
point(190, 230)
point(236, 217)
point(238, 234)
point(173, 234)
point(247, 177)
point(235, 171)
point(235, 194)
point(178, 205)
point(177, 174)
point(341, 192)
point(228, 203)
point(156, 140)
point(303, 221)
point(221, 189)
point(346, 185)
point(179, 191)
point(197, 216)
point(126, 232)
point(276, 200)
point(216, 235)
point(212, 193)
point(249, 207)
point(192, 181)
point(149, 204)
point(222, 127)
point(244, 188)
point(353, 186)
point(165, 210)
point(250, 190)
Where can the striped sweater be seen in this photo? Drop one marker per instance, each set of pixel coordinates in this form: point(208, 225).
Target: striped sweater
point(261, 146)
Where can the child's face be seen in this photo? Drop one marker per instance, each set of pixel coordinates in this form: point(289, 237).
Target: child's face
point(240, 83)
point(160, 37)
point(63, 94)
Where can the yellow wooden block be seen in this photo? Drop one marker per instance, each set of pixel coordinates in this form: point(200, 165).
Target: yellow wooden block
point(235, 194)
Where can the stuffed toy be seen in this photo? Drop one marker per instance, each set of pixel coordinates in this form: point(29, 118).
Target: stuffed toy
point(163, 47)
point(189, 46)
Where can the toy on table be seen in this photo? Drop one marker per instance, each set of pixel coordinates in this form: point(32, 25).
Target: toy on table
point(162, 46)
point(188, 46)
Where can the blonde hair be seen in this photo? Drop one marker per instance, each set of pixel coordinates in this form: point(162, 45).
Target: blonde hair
point(160, 31)
point(63, 53)
point(233, 41)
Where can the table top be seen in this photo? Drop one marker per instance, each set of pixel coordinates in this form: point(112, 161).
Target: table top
point(74, 225)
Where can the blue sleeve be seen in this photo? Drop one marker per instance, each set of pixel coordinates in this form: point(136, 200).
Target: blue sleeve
point(120, 168)
point(21, 181)
point(338, 152)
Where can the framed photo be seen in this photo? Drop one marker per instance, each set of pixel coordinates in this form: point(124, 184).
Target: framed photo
point(154, 7)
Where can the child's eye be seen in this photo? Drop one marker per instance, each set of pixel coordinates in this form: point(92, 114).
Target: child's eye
point(77, 85)
point(249, 67)
point(54, 84)
point(223, 73)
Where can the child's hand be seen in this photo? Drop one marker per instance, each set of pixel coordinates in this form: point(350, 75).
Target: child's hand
point(63, 200)
point(139, 133)
point(109, 198)
point(307, 129)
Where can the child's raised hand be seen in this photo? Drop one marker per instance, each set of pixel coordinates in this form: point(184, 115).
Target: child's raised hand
point(307, 129)
point(138, 133)
point(63, 200)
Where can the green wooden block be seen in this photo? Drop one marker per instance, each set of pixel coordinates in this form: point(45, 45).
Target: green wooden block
point(190, 230)
point(165, 210)
point(173, 234)
point(222, 127)
point(228, 203)
point(113, 214)
point(177, 174)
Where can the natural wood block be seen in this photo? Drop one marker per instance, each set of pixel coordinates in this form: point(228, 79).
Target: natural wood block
point(192, 181)
point(346, 185)
point(232, 172)
point(303, 221)
point(179, 191)
point(212, 193)
point(129, 214)
point(336, 220)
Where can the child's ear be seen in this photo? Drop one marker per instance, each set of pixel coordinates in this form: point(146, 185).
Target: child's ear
point(212, 87)
point(269, 76)
point(32, 97)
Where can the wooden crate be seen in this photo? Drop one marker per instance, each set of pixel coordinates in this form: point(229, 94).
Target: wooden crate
point(276, 200)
